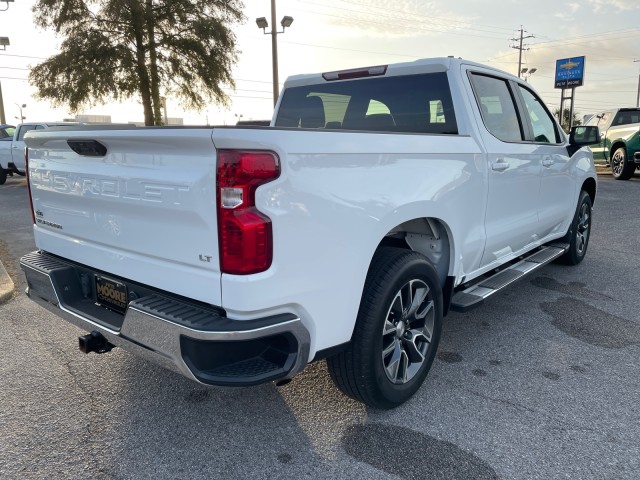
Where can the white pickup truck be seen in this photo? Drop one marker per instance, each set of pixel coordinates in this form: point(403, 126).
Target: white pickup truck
point(378, 199)
point(12, 149)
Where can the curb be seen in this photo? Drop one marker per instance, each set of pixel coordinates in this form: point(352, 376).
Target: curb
point(6, 285)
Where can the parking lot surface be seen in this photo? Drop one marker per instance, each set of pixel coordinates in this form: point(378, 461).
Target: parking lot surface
point(540, 382)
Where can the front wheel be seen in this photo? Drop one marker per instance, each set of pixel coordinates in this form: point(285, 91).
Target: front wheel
point(621, 167)
point(3, 176)
point(579, 232)
point(396, 333)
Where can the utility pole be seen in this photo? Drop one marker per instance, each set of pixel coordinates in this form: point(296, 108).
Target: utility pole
point(638, 97)
point(520, 47)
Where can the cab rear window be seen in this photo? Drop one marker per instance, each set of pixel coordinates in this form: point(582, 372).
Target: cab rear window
point(409, 104)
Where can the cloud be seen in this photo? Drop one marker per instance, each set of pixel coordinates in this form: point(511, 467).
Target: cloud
point(619, 5)
point(392, 17)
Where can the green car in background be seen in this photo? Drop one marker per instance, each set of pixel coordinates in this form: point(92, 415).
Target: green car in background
point(619, 145)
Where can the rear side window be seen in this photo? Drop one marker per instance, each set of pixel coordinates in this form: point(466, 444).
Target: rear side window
point(498, 109)
point(23, 130)
point(410, 104)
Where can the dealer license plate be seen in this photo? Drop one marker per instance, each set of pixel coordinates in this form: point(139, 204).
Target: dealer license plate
point(111, 294)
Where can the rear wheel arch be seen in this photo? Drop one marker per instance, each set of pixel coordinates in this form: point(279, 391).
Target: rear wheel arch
point(614, 146)
point(428, 236)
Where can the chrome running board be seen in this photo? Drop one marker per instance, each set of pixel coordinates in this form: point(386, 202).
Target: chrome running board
point(475, 295)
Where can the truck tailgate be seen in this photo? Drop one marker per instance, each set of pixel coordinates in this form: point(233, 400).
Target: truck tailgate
point(146, 208)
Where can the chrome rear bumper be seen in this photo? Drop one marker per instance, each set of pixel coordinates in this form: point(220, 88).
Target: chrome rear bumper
point(185, 336)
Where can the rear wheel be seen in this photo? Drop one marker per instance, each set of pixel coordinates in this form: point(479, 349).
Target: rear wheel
point(396, 333)
point(579, 232)
point(621, 167)
point(3, 176)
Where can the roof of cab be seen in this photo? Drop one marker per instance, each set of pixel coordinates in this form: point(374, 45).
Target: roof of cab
point(425, 65)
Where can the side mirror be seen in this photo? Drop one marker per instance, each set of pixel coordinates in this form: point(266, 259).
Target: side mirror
point(583, 136)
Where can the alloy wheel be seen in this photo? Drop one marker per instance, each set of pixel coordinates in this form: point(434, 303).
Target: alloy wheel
point(407, 331)
point(582, 232)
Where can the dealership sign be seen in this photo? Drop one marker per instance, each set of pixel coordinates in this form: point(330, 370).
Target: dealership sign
point(569, 72)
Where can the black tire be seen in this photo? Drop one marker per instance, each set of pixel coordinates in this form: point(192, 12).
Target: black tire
point(393, 346)
point(579, 232)
point(3, 176)
point(621, 166)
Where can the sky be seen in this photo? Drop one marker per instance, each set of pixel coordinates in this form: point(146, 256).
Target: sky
point(331, 35)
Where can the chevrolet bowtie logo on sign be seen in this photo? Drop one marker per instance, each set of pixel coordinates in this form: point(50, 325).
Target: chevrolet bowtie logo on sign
point(111, 294)
point(569, 72)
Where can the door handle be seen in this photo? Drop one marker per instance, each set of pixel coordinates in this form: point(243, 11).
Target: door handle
point(499, 165)
point(547, 161)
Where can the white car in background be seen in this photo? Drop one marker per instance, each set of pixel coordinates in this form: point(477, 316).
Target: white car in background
point(12, 146)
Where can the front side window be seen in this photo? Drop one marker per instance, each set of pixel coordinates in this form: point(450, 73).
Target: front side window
point(497, 106)
point(407, 103)
point(544, 129)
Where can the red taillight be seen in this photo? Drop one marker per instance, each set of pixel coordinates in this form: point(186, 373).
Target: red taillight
point(244, 234)
point(26, 172)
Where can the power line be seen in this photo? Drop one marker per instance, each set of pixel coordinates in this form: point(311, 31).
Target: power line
point(591, 35)
point(20, 56)
point(443, 21)
point(405, 27)
point(349, 49)
point(428, 17)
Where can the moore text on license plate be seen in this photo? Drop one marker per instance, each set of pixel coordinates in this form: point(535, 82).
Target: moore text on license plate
point(111, 294)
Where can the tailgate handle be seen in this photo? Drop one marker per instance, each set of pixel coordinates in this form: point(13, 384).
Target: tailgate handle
point(87, 148)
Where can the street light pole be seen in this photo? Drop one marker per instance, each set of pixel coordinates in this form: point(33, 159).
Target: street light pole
point(2, 119)
point(6, 2)
point(24, 105)
point(263, 24)
point(4, 43)
point(274, 53)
